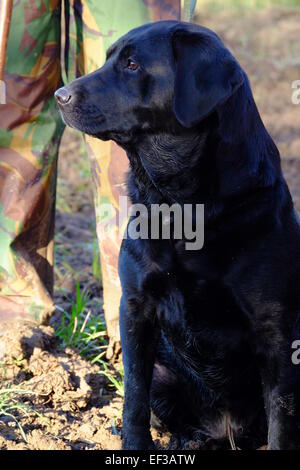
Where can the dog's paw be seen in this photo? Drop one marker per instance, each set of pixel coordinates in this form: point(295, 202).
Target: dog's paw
point(137, 442)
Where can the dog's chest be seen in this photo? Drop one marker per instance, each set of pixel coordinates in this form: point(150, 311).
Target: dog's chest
point(190, 290)
point(200, 277)
point(203, 324)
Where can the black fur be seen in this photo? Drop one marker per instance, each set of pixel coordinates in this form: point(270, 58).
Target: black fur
point(206, 335)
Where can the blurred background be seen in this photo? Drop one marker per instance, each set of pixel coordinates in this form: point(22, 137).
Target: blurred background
point(264, 35)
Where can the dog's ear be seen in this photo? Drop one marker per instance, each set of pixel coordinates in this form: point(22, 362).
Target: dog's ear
point(206, 75)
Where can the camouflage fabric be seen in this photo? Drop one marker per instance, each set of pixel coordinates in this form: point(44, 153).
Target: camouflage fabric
point(29, 137)
point(30, 133)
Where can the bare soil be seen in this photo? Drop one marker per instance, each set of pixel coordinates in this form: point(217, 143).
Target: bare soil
point(71, 405)
point(75, 409)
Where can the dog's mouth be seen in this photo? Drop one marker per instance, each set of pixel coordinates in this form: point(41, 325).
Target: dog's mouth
point(73, 117)
point(65, 118)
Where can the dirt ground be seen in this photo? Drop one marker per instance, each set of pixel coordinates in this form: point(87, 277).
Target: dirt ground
point(61, 399)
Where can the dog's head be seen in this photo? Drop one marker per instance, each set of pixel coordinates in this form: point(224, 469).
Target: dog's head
point(155, 77)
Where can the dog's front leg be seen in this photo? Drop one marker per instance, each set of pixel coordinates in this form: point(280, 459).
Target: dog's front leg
point(138, 339)
point(281, 384)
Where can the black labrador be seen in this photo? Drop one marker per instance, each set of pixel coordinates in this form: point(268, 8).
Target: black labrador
point(207, 334)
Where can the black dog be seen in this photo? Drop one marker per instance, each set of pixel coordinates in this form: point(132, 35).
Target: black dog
point(207, 335)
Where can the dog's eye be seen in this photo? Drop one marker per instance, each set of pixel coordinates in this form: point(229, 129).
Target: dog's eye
point(131, 65)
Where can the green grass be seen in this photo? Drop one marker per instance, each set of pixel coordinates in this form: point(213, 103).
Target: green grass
point(12, 407)
point(80, 330)
point(115, 378)
point(86, 334)
point(246, 4)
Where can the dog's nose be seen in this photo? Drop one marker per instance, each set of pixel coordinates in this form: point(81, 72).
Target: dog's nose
point(63, 95)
